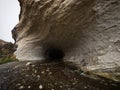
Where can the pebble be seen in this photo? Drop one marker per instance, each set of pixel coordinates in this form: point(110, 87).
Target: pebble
point(61, 86)
point(37, 0)
point(28, 63)
point(33, 65)
point(38, 76)
point(85, 87)
point(29, 86)
point(35, 71)
point(43, 72)
point(40, 86)
point(21, 87)
point(50, 73)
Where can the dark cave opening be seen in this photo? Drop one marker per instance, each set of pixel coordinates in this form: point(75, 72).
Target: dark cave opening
point(54, 54)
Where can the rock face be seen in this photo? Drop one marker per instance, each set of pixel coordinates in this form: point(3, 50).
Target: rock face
point(87, 32)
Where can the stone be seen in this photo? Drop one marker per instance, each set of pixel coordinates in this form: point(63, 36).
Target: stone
point(86, 30)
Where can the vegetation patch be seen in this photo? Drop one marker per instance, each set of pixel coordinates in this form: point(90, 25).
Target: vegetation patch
point(6, 53)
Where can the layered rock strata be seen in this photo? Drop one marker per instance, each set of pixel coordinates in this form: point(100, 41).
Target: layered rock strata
point(87, 32)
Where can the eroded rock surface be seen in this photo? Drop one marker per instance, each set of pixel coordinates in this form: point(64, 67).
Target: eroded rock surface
point(50, 76)
point(87, 31)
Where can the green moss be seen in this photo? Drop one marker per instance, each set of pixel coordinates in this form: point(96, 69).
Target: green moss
point(6, 60)
point(6, 56)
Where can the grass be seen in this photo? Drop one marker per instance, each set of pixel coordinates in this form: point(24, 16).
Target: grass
point(6, 55)
point(6, 60)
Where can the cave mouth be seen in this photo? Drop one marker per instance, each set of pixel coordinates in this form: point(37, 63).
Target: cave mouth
point(54, 54)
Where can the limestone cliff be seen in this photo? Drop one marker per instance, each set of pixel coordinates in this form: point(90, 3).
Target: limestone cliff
point(86, 31)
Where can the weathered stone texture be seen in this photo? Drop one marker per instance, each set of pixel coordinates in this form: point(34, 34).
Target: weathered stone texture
point(88, 31)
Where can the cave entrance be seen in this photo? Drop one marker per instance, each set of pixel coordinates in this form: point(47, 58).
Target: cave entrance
point(54, 54)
